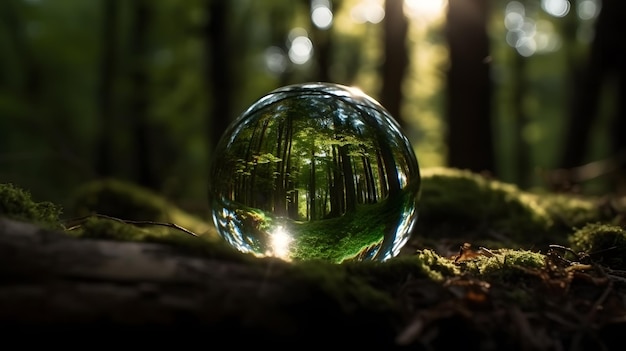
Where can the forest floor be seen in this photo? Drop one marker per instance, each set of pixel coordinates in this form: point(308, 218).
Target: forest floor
point(489, 267)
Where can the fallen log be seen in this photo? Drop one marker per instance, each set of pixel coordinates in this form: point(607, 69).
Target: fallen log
point(53, 282)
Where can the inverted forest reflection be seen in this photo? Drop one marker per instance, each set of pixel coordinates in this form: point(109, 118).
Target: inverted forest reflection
point(316, 155)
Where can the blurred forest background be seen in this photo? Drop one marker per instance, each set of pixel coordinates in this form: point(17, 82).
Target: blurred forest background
point(529, 91)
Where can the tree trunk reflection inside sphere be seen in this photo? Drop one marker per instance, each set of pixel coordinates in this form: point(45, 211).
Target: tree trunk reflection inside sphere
point(315, 171)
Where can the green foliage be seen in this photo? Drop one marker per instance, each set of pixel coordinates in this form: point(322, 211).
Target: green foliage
point(53, 87)
point(604, 243)
point(16, 203)
point(334, 239)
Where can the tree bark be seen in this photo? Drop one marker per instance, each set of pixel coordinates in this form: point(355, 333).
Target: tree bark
point(218, 75)
point(607, 56)
point(396, 58)
point(469, 138)
point(520, 120)
point(54, 283)
point(106, 99)
point(146, 174)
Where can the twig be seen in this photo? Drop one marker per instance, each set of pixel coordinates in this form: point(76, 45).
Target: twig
point(125, 221)
point(615, 274)
point(567, 249)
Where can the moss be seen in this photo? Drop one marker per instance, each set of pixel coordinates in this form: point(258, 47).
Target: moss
point(16, 203)
point(504, 264)
point(363, 285)
point(108, 229)
point(397, 270)
point(353, 306)
point(569, 211)
point(424, 263)
point(435, 266)
point(453, 203)
point(350, 290)
point(603, 243)
point(470, 207)
point(465, 204)
point(130, 202)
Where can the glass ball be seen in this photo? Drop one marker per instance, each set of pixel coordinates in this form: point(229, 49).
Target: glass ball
point(315, 171)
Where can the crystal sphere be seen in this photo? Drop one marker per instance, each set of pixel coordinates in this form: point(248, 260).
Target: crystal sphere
point(315, 171)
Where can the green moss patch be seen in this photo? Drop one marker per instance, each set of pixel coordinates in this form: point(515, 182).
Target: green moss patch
point(16, 203)
point(602, 243)
point(569, 211)
point(473, 208)
point(504, 264)
point(465, 204)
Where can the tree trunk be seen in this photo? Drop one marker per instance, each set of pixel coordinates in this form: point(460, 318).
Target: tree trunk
point(106, 100)
point(619, 129)
point(585, 97)
point(396, 59)
point(30, 87)
point(146, 174)
point(322, 42)
point(469, 138)
point(607, 55)
point(520, 120)
point(218, 74)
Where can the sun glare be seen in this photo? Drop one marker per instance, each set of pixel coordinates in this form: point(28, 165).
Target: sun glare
point(426, 10)
point(280, 243)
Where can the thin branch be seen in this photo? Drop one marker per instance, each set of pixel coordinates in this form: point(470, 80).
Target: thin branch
point(80, 220)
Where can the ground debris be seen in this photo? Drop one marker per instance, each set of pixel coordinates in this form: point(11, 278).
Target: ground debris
point(569, 303)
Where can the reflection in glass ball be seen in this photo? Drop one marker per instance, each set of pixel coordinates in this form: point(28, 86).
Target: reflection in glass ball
point(315, 171)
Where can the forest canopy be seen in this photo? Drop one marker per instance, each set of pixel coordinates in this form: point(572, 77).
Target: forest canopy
point(141, 90)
